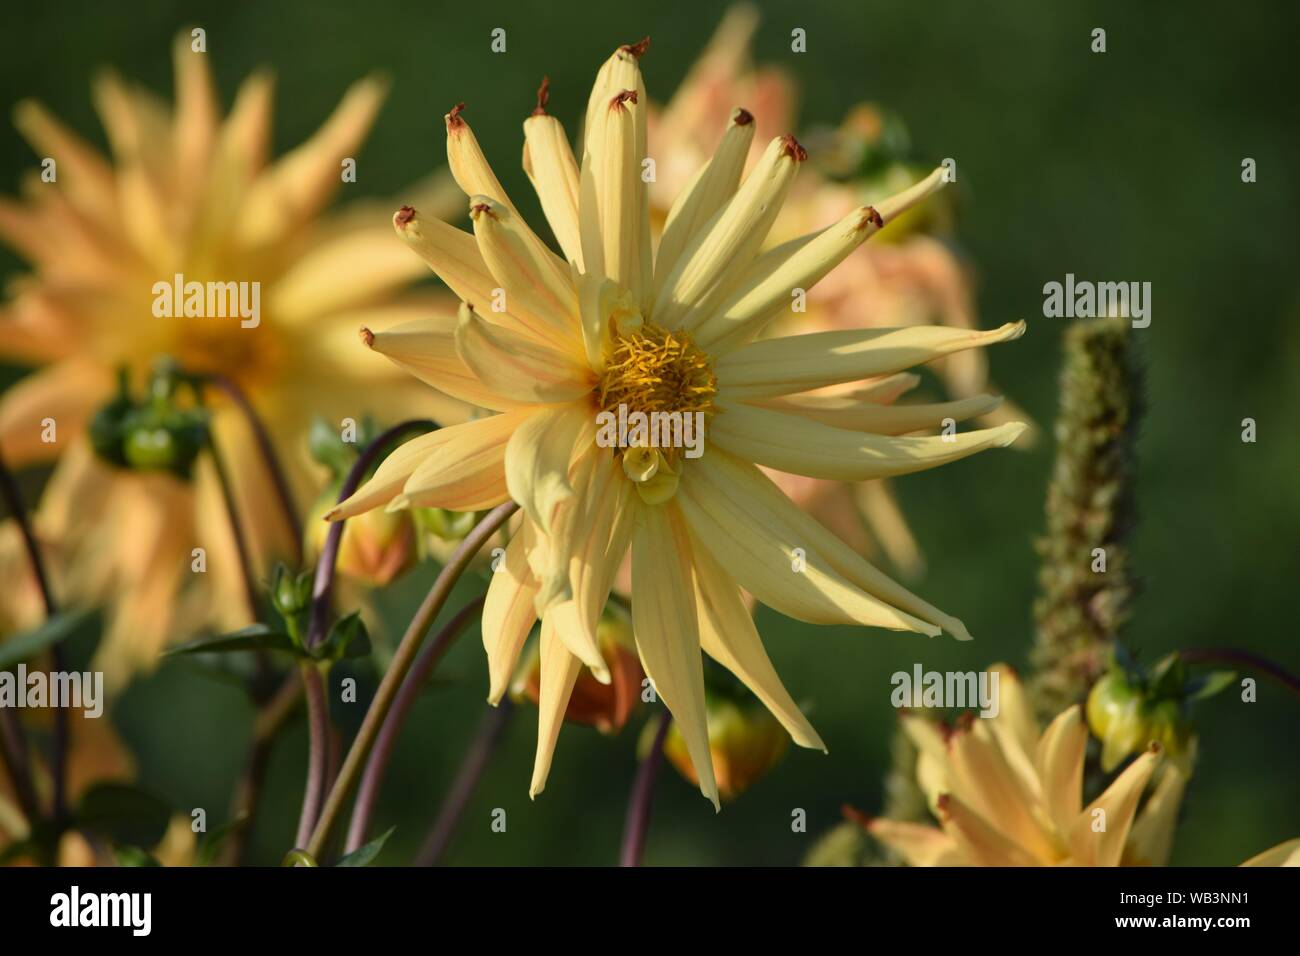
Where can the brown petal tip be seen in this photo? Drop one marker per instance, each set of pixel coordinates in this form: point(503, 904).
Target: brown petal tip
point(404, 216)
point(543, 96)
point(367, 337)
point(793, 149)
point(942, 802)
point(621, 98)
point(742, 117)
point(870, 217)
point(453, 118)
point(636, 49)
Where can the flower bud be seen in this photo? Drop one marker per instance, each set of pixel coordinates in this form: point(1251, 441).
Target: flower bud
point(745, 741)
point(1128, 709)
point(606, 707)
point(376, 547)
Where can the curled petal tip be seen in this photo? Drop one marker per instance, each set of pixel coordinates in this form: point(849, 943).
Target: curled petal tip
point(793, 149)
point(637, 49)
point(404, 216)
point(543, 96)
point(622, 97)
point(453, 118)
point(742, 116)
point(367, 337)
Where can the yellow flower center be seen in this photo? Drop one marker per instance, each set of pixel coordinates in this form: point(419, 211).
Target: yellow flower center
point(654, 370)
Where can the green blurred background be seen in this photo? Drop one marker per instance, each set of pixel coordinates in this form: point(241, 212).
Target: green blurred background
point(1120, 166)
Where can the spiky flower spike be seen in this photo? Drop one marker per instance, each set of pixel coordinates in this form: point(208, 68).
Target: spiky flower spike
point(548, 343)
point(1085, 579)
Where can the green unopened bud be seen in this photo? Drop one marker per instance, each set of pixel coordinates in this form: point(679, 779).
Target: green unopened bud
point(156, 433)
point(291, 598)
point(1127, 709)
point(745, 741)
point(444, 524)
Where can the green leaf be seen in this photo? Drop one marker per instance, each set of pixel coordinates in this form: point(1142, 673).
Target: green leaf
point(134, 856)
point(252, 638)
point(1207, 685)
point(123, 813)
point(347, 638)
point(363, 855)
point(27, 645)
point(212, 843)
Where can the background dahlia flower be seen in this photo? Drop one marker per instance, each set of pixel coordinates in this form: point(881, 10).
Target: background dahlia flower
point(1007, 795)
point(549, 342)
point(911, 277)
point(186, 192)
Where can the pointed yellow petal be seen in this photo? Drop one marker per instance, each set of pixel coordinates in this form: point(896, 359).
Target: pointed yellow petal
point(1116, 807)
point(841, 412)
point(1059, 759)
point(713, 261)
point(728, 635)
point(304, 179)
point(453, 255)
point(621, 194)
point(773, 511)
point(622, 71)
point(766, 287)
point(980, 772)
point(195, 129)
point(559, 672)
point(799, 363)
point(466, 470)
point(917, 843)
point(1151, 840)
point(752, 536)
point(667, 634)
point(553, 171)
point(84, 174)
point(529, 273)
point(508, 616)
point(518, 368)
point(711, 187)
point(538, 458)
point(979, 841)
point(792, 444)
point(427, 349)
point(349, 270)
point(1284, 854)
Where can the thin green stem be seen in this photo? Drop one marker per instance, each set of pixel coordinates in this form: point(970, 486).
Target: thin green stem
point(1233, 657)
point(398, 669)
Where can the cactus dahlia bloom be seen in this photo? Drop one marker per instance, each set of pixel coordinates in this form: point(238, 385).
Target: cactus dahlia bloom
point(185, 192)
point(551, 343)
point(1007, 795)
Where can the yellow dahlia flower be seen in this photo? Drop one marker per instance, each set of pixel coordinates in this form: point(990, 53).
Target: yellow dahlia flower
point(558, 347)
point(912, 279)
point(187, 193)
point(1007, 795)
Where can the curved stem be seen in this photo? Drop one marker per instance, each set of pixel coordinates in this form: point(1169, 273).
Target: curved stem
point(373, 776)
point(397, 670)
point(643, 788)
point(263, 439)
point(237, 530)
point(323, 585)
point(317, 750)
point(1239, 658)
point(13, 741)
point(481, 749)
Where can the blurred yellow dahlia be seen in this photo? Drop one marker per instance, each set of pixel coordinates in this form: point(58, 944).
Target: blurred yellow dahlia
point(912, 278)
point(559, 347)
point(186, 194)
point(1007, 795)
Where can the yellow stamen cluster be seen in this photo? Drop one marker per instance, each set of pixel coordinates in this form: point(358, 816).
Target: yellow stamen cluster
point(654, 370)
